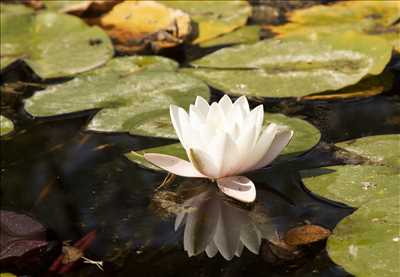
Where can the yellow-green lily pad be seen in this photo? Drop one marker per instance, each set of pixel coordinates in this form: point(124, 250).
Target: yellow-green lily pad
point(381, 149)
point(6, 125)
point(52, 44)
point(213, 18)
point(295, 66)
point(353, 185)
point(367, 243)
point(246, 34)
point(132, 93)
point(305, 137)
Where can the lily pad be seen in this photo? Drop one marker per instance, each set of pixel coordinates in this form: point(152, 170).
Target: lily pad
point(6, 125)
point(134, 24)
point(214, 18)
point(78, 7)
point(353, 185)
point(133, 93)
point(367, 243)
point(381, 149)
point(246, 34)
point(305, 137)
point(37, 40)
point(295, 66)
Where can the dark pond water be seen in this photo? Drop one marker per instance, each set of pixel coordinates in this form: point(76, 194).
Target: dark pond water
point(74, 181)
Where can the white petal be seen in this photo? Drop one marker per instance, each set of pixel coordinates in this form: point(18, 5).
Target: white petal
point(256, 118)
point(226, 104)
point(238, 187)
point(173, 164)
point(243, 104)
point(215, 117)
point(280, 141)
point(211, 249)
point(174, 113)
point(189, 134)
point(260, 149)
point(203, 162)
point(197, 120)
point(202, 105)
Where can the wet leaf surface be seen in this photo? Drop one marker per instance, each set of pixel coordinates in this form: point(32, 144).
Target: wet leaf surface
point(135, 24)
point(293, 67)
point(52, 53)
point(367, 243)
point(79, 7)
point(133, 93)
point(6, 125)
point(213, 18)
point(306, 234)
point(246, 34)
point(305, 137)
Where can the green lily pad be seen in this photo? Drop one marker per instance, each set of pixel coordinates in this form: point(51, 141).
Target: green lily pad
point(246, 34)
point(382, 149)
point(51, 53)
point(214, 18)
point(353, 185)
point(6, 125)
point(305, 137)
point(133, 93)
point(367, 243)
point(295, 66)
point(14, 10)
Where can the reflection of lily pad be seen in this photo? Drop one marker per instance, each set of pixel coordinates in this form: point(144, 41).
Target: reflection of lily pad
point(214, 18)
point(246, 34)
point(133, 93)
point(37, 40)
point(382, 149)
point(294, 67)
point(6, 126)
point(353, 185)
point(305, 137)
point(367, 243)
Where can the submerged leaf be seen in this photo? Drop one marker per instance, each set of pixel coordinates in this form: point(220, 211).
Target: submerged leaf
point(213, 18)
point(305, 137)
point(38, 41)
point(6, 125)
point(306, 234)
point(133, 93)
point(367, 243)
point(295, 66)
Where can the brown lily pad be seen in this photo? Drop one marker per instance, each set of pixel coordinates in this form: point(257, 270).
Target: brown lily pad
point(134, 25)
point(306, 234)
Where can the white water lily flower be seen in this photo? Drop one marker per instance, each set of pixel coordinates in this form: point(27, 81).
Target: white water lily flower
point(222, 141)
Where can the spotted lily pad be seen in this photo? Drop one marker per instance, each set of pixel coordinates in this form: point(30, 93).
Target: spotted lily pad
point(213, 18)
point(305, 137)
point(37, 40)
point(134, 24)
point(246, 34)
point(367, 243)
point(295, 66)
point(6, 125)
point(372, 17)
point(381, 149)
point(132, 93)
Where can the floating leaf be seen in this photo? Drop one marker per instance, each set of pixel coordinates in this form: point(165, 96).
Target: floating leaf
point(367, 243)
point(134, 24)
point(353, 185)
point(214, 18)
point(305, 137)
point(365, 88)
point(6, 125)
point(295, 66)
point(306, 234)
point(37, 40)
point(14, 10)
point(382, 149)
point(371, 17)
point(133, 93)
point(246, 34)
point(78, 7)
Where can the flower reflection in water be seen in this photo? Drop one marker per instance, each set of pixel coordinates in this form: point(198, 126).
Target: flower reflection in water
point(215, 223)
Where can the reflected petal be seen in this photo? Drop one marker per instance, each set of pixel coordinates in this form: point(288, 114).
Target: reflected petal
point(211, 249)
point(250, 236)
point(239, 249)
point(238, 187)
point(173, 164)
